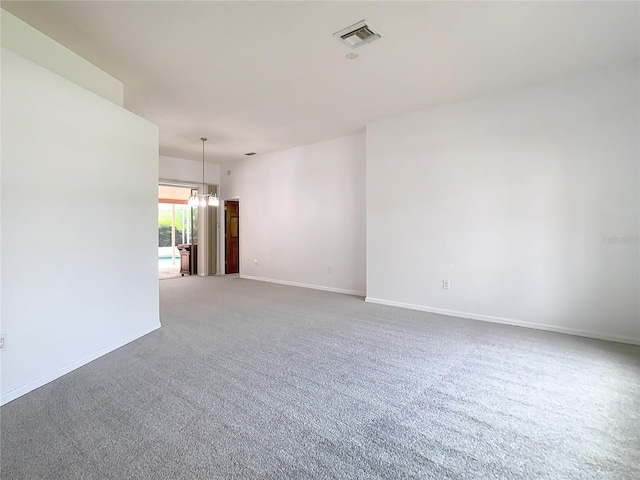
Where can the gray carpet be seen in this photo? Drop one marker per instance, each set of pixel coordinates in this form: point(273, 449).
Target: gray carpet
point(250, 380)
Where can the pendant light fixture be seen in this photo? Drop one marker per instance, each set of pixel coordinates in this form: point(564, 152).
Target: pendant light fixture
point(203, 199)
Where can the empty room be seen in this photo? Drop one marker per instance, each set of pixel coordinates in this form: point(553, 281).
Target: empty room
point(320, 240)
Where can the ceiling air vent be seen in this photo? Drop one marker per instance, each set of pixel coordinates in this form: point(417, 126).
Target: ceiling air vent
point(358, 34)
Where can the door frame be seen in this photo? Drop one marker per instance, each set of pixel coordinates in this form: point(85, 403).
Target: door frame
point(221, 240)
point(175, 183)
point(216, 234)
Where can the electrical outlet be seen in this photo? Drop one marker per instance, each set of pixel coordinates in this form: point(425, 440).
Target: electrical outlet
point(255, 262)
point(445, 284)
point(3, 341)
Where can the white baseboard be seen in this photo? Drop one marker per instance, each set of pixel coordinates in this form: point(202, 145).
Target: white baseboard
point(18, 392)
point(507, 321)
point(305, 285)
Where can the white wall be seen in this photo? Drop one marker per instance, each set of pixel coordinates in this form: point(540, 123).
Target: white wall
point(302, 214)
point(509, 197)
point(188, 171)
point(29, 43)
point(79, 226)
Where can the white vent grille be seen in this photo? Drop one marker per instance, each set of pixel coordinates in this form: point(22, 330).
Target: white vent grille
point(358, 34)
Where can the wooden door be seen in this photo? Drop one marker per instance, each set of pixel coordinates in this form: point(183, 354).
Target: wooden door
point(232, 236)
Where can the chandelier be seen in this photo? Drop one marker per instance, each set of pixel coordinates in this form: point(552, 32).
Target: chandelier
point(203, 199)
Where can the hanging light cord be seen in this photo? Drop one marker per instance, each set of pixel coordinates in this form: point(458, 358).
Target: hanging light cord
point(203, 140)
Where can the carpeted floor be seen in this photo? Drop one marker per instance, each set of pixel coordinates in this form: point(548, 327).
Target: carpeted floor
point(250, 380)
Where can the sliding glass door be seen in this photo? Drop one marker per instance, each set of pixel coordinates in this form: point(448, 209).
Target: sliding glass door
point(177, 224)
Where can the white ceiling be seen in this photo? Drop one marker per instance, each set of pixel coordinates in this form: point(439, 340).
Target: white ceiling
point(264, 76)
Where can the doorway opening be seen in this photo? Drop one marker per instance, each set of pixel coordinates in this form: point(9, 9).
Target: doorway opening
point(177, 225)
point(232, 237)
